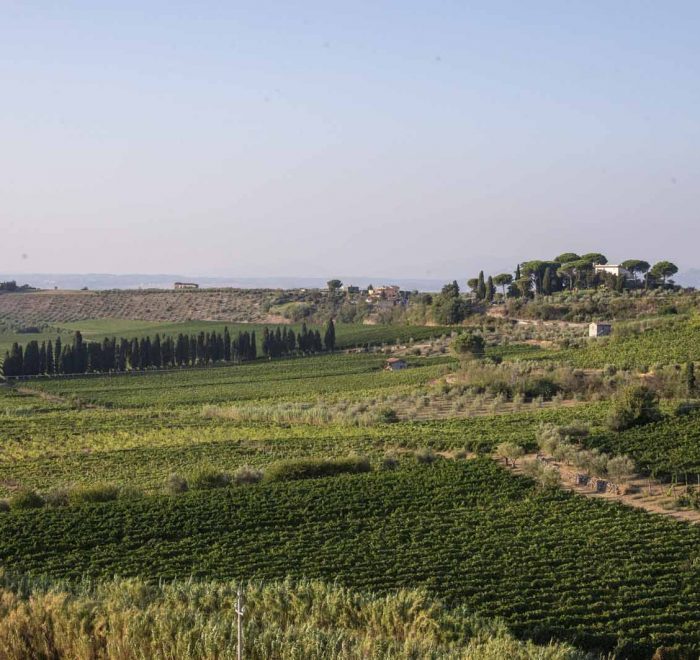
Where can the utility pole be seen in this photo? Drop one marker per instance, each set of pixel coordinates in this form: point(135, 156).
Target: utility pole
point(239, 612)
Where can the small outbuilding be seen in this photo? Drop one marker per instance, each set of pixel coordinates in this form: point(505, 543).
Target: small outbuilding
point(395, 364)
point(599, 330)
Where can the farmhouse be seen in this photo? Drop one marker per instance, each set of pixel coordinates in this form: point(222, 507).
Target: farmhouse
point(599, 330)
point(395, 364)
point(612, 269)
point(186, 285)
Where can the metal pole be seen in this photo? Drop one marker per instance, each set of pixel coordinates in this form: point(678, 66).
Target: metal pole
point(239, 613)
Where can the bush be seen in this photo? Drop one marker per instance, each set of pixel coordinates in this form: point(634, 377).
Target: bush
point(387, 416)
point(247, 475)
point(309, 468)
point(390, 462)
point(57, 497)
point(425, 456)
point(208, 478)
point(687, 408)
point(93, 494)
point(469, 345)
point(633, 406)
point(26, 499)
point(175, 484)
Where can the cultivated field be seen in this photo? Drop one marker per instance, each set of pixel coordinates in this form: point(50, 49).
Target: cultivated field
point(329, 467)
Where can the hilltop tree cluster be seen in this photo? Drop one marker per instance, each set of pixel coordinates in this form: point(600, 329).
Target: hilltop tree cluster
point(570, 271)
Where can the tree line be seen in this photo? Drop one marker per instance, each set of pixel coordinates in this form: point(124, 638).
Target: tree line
point(185, 350)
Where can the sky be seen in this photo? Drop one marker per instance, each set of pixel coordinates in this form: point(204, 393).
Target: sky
point(404, 139)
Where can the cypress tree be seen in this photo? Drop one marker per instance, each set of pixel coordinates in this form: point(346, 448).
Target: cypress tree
point(123, 354)
point(156, 352)
point(50, 360)
point(547, 282)
point(690, 380)
point(227, 345)
point(253, 346)
point(135, 354)
point(329, 336)
point(57, 355)
point(481, 287)
point(30, 364)
point(42, 358)
point(490, 289)
point(79, 353)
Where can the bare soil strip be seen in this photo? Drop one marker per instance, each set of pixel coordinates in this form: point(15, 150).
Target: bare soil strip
point(644, 493)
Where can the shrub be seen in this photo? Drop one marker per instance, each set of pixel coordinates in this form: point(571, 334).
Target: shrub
point(26, 499)
point(175, 484)
point(633, 406)
point(426, 455)
point(57, 497)
point(93, 494)
point(207, 478)
point(247, 475)
point(390, 462)
point(309, 468)
point(687, 408)
point(387, 416)
point(469, 345)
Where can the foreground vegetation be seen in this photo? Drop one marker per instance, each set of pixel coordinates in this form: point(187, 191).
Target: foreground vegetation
point(131, 618)
point(380, 531)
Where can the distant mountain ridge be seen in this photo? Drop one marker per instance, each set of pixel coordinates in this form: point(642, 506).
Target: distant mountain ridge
point(104, 281)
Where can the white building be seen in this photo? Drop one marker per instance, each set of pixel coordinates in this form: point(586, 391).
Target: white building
point(186, 285)
point(599, 330)
point(612, 269)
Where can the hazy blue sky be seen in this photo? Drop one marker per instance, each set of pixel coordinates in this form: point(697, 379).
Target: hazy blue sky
point(312, 138)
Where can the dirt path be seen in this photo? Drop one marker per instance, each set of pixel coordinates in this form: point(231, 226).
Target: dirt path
point(644, 494)
point(54, 398)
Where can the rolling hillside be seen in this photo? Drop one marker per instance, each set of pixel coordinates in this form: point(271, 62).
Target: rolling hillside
point(241, 305)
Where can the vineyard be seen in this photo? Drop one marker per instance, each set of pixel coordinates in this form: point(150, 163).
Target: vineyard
point(467, 531)
point(672, 342)
point(479, 539)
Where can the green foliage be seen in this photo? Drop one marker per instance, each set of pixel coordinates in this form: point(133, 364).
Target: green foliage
point(207, 477)
point(285, 620)
point(176, 484)
point(387, 416)
point(94, 493)
point(469, 344)
point(311, 468)
point(633, 406)
point(26, 499)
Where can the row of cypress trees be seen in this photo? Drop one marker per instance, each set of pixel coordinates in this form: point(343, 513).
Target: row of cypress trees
point(279, 342)
point(135, 354)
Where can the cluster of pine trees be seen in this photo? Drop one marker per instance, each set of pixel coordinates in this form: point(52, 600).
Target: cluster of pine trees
point(159, 353)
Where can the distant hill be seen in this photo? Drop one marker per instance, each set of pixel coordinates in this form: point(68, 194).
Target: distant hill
point(47, 307)
point(689, 278)
point(104, 281)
